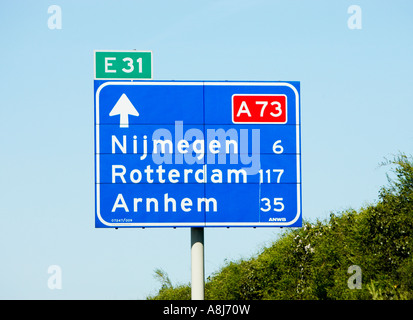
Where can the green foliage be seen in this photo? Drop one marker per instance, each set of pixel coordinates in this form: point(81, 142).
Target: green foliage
point(167, 291)
point(163, 278)
point(312, 262)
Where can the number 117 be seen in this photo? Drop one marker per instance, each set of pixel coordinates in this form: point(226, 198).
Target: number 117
point(267, 175)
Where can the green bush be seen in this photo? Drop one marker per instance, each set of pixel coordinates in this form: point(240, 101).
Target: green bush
point(312, 262)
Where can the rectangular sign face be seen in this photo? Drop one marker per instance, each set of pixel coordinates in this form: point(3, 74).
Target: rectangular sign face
point(197, 154)
point(125, 65)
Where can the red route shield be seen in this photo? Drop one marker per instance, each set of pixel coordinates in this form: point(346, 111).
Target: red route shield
point(255, 108)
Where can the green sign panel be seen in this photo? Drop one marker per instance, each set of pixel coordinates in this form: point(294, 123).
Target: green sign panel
point(126, 65)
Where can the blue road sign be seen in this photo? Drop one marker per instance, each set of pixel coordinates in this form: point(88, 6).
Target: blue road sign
point(197, 154)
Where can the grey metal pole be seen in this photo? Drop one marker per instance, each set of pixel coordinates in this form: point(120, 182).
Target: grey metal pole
point(197, 264)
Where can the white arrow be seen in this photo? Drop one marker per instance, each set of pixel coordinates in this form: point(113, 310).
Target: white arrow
point(124, 108)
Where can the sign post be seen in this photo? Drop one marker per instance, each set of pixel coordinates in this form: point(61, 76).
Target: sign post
point(197, 264)
point(194, 154)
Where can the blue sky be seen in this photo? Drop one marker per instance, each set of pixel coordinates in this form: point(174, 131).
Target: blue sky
point(355, 107)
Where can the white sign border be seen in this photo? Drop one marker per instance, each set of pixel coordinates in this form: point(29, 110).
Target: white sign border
point(197, 224)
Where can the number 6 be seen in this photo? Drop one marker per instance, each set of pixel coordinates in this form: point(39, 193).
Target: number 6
point(276, 148)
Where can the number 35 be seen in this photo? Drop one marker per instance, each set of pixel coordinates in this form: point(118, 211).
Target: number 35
point(278, 205)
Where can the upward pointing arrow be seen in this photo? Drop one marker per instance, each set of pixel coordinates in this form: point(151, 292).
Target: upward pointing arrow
point(124, 108)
